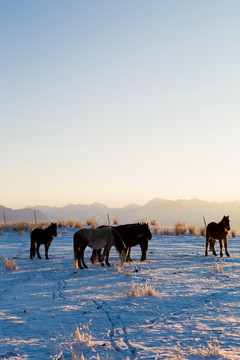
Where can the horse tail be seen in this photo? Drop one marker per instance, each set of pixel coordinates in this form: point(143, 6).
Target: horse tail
point(75, 249)
point(118, 241)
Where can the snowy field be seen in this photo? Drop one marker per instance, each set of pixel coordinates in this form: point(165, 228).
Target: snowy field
point(178, 304)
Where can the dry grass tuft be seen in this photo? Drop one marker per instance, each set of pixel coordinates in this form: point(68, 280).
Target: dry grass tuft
point(234, 232)
point(219, 267)
point(91, 222)
point(10, 264)
point(180, 228)
point(70, 223)
point(155, 226)
point(116, 221)
point(79, 224)
point(61, 223)
point(203, 231)
point(139, 290)
point(192, 230)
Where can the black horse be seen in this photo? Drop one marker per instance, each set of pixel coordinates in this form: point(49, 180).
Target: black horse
point(42, 237)
point(132, 235)
point(217, 231)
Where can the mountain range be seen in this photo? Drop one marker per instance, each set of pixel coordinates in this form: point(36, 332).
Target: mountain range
point(27, 214)
point(165, 212)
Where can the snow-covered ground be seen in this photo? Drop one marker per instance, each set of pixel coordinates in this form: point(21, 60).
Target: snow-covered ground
point(178, 304)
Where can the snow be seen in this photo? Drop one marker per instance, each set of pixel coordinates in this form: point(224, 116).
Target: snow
point(178, 304)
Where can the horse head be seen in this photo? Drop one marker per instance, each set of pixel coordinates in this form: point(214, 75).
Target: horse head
point(54, 229)
point(146, 231)
point(226, 222)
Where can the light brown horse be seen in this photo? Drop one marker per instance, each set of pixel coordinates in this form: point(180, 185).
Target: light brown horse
point(217, 231)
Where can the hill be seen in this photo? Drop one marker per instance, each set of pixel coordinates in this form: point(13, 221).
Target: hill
point(26, 214)
point(165, 212)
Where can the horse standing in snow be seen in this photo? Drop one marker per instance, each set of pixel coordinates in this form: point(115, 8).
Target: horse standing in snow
point(99, 238)
point(132, 235)
point(217, 231)
point(42, 237)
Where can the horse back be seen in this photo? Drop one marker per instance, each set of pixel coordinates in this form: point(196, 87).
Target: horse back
point(36, 234)
point(100, 237)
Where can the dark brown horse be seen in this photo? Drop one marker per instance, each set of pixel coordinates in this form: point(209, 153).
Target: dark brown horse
point(42, 237)
point(132, 235)
point(217, 231)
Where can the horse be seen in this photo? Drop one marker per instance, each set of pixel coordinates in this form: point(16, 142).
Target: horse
point(99, 238)
point(42, 236)
point(132, 235)
point(217, 231)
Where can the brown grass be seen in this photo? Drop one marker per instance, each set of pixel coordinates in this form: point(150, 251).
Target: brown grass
point(91, 222)
point(180, 228)
point(10, 264)
point(234, 232)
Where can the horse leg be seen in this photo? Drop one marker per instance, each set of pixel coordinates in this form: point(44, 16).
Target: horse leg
point(221, 247)
point(213, 242)
point(100, 258)
point(47, 245)
point(32, 250)
point(226, 246)
point(144, 248)
point(94, 256)
point(38, 253)
point(103, 256)
point(107, 258)
point(207, 240)
point(79, 259)
point(106, 254)
point(82, 256)
point(128, 258)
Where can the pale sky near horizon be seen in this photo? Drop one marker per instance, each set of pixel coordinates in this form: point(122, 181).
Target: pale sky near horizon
point(119, 101)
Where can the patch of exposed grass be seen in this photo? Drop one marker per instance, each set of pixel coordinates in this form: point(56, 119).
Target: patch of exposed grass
point(180, 228)
point(10, 264)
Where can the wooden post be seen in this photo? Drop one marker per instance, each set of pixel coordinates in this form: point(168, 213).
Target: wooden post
point(4, 218)
point(35, 217)
point(108, 219)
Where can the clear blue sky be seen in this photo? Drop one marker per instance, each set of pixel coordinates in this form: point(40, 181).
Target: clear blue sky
point(119, 101)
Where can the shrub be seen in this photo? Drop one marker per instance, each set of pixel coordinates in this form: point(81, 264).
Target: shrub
point(180, 228)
